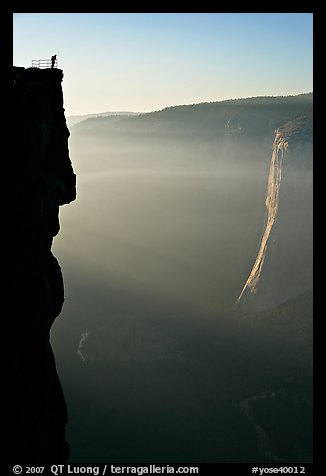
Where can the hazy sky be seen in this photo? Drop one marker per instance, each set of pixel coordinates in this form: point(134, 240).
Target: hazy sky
point(147, 61)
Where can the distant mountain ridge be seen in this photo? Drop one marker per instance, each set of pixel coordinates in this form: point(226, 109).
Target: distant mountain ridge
point(207, 121)
point(75, 119)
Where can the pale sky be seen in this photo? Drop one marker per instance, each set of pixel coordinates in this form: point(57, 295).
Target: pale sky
point(144, 62)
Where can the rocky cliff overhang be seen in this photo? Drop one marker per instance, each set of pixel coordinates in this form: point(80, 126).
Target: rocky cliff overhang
point(44, 180)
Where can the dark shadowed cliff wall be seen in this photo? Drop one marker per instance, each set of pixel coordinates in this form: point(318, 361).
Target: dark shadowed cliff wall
point(44, 180)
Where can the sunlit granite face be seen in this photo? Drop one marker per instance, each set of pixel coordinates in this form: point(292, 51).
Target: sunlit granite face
point(283, 267)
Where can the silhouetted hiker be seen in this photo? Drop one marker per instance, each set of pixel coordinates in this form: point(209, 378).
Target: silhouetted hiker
point(53, 59)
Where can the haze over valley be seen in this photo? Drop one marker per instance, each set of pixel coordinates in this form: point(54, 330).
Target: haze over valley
point(157, 363)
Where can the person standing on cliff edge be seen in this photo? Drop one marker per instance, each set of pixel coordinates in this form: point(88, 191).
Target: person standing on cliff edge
point(53, 60)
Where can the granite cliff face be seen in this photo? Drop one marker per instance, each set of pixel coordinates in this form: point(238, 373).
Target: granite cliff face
point(283, 267)
point(44, 180)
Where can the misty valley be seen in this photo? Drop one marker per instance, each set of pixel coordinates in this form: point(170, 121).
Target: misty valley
point(159, 360)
